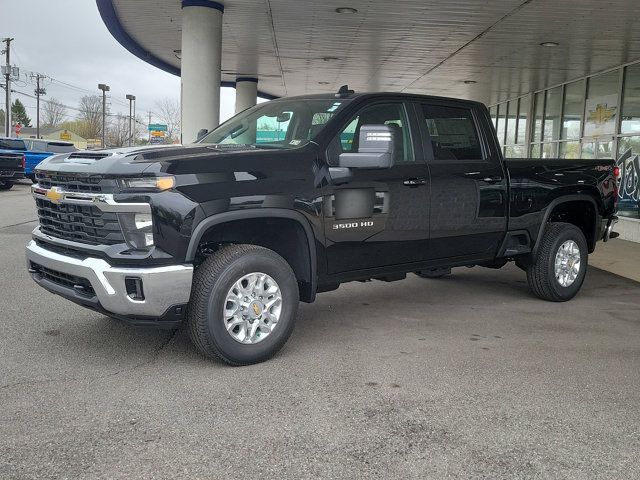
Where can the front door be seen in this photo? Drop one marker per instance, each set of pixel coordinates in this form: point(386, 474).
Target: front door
point(381, 216)
point(468, 186)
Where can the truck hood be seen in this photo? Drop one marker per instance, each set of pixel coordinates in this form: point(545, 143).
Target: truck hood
point(172, 159)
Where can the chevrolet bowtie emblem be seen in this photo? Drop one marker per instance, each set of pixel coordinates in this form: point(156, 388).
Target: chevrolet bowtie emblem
point(54, 194)
point(256, 309)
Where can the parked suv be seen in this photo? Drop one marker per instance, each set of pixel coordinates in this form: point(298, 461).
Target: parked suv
point(230, 233)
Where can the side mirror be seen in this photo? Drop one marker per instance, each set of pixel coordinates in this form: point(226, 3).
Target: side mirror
point(375, 149)
point(201, 133)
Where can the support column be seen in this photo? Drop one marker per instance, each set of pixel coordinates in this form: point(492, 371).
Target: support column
point(246, 93)
point(200, 66)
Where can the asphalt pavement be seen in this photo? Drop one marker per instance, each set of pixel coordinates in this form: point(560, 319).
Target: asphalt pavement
point(464, 377)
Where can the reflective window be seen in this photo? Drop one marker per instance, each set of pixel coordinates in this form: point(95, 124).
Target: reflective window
point(552, 114)
point(569, 150)
point(492, 112)
point(601, 104)
point(523, 112)
point(453, 133)
point(572, 110)
point(631, 101)
point(538, 117)
point(512, 116)
point(500, 127)
point(549, 150)
point(629, 163)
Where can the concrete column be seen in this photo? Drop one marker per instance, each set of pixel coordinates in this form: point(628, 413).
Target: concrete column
point(200, 65)
point(246, 93)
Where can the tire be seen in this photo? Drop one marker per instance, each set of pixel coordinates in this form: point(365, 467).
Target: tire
point(541, 275)
point(213, 281)
point(434, 273)
point(6, 185)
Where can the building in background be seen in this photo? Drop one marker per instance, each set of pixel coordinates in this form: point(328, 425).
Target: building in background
point(55, 133)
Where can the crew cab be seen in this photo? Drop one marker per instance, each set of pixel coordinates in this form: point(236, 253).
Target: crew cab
point(39, 149)
point(228, 234)
point(12, 161)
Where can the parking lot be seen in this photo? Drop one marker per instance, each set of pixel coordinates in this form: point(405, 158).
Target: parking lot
point(467, 376)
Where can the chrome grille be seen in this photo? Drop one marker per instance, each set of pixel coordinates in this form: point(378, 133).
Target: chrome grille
point(79, 223)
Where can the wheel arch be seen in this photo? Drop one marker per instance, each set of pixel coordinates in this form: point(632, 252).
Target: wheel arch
point(304, 264)
point(565, 202)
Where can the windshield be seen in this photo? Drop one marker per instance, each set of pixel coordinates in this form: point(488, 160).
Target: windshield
point(277, 124)
point(11, 144)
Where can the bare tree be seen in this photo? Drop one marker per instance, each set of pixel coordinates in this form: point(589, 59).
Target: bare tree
point(53, 113)
point(118, 131)
point(168, 112)
point(90, 114)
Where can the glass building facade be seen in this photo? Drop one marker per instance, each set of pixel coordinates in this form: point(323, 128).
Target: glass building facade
point(593, 117)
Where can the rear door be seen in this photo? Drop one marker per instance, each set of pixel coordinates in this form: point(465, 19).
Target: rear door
point(380, 217)
point(468, 196)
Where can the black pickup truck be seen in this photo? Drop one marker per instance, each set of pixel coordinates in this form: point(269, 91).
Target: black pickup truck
point(12, 161)
point(294, 197)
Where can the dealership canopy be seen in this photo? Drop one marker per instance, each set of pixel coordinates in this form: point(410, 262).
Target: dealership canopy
point(477, 49)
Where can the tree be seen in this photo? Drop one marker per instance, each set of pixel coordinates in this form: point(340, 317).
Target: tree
point(168, 112)
point(53, 113)
point(118, 131)
point(19, 114)
point(90, 116)
point(2, 121)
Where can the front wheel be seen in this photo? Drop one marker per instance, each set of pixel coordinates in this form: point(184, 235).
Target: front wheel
point(243, 304)
point(561, 263)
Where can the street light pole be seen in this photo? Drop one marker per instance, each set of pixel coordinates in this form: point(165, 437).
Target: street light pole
point(105, 89)
point(131, 99)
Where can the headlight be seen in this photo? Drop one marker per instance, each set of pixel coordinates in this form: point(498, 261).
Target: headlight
point(137, 229)
point(148, 183)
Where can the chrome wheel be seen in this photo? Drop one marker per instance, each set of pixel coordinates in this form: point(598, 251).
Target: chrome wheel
point(252, 308)
point(567, 265)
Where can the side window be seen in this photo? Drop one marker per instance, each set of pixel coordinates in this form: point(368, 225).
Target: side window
point(453, 133)
point(392, 114)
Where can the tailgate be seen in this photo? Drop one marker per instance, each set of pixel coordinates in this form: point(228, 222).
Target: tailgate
point(11, 161)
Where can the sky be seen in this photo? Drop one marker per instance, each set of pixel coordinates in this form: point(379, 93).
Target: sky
point(67, 41)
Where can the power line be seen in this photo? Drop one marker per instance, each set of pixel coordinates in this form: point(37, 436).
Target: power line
point(117, 115)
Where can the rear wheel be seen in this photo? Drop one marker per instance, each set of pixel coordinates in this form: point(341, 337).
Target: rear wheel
point(243, 304)
point(6, 185)
point(561, 263)
point(434, 273)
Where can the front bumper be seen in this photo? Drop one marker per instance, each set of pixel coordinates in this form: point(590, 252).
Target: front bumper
point(166, 289)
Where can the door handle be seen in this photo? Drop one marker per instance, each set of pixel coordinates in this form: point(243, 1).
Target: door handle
point(492, 179)
point(415, 182)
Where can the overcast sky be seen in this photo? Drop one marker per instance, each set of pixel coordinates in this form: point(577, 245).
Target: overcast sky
point(67, 41)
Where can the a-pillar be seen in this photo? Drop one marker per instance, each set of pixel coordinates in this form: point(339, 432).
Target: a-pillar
point(246, 93)
point(201, 58)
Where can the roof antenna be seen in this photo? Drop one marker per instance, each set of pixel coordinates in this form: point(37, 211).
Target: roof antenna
point(344, 92)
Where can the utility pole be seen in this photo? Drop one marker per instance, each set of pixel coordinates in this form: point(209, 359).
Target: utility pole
point(7, 78)
point(131, 99)
point(105, 88)
point(39, 91)
point(148, 128)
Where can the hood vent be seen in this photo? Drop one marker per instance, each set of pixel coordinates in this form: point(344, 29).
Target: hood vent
point(88, 155)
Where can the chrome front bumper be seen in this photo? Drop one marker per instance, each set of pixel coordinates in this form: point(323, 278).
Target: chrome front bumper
point(164, 287)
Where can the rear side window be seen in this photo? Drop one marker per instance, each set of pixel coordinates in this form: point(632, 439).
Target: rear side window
point(10, 144)
point(453, 133)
